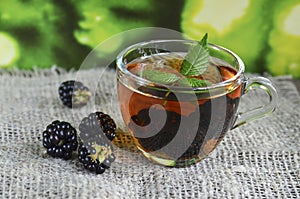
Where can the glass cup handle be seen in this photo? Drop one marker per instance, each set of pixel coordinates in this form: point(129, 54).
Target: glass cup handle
point(258, 112)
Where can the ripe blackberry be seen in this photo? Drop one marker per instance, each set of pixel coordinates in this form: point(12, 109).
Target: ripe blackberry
point(96, 154)
point(74, 94)
point(97, 124)
point(60, 139)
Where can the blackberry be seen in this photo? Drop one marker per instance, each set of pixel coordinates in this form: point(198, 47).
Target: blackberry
point(96, 154)
point(60, 139)
point(74, 94)
point(97, 124)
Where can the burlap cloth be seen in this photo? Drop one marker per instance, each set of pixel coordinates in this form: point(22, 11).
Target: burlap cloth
point(260, 159)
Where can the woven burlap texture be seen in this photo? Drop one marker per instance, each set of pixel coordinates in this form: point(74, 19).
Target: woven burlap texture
point(260, 159)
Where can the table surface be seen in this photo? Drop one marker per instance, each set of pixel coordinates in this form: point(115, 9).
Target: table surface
point(257, 160)
point(297, 83)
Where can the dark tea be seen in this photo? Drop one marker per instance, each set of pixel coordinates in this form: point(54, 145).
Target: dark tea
point(175, 124)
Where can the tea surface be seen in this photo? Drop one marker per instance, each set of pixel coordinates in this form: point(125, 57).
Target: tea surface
point(216, 72)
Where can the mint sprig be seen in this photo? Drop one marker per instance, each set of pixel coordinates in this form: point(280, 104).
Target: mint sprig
point(197, 59)
point(194, 64)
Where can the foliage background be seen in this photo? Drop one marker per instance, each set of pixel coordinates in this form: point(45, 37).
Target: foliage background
point(41, 33)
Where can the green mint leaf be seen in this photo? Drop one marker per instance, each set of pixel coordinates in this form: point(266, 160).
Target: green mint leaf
point(197, 59)
point(160, 77)
point(194, 82)
point(198, 82)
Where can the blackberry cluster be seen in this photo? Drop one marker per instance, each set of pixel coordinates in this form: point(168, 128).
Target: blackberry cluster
point(95, 151)
point(96, 155)
point(60, 139)
point(97, 131)
point(73, 94)
point(97, 124)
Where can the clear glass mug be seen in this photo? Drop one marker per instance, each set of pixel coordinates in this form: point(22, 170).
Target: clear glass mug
point(180, 125)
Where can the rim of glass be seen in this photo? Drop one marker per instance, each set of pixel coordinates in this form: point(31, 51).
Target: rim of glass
point(142, 81)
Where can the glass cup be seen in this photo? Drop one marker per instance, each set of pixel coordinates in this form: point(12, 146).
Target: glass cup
point(176, 124)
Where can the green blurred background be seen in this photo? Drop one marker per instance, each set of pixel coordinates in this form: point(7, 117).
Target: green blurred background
point(43, 33)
